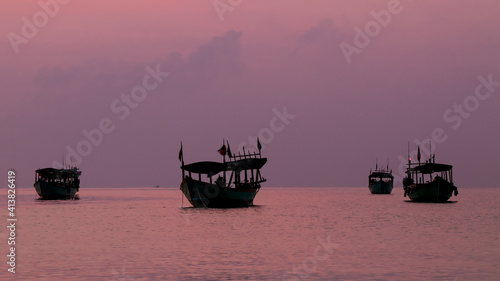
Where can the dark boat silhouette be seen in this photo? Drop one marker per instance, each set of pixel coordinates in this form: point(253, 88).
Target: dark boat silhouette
point(53, 183)
point(238, 191)
point(429, 182)
point(380, 181)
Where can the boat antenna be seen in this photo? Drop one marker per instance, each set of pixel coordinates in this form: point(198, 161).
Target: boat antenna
point(62, 156)
point(387, 164)
point(430, 151)
point(409, 159)
point(376, 163)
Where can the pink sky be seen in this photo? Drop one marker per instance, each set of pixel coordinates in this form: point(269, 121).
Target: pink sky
point(227, 78)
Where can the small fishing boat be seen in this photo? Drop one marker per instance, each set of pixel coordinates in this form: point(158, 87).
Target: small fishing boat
point(239, 190)
point(53, 183)
point(380, 181)
point(429, 182)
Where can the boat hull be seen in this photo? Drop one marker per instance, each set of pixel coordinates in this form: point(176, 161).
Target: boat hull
point(50, 191)
point(202, 194)
point(381, 187)
point(435, 191)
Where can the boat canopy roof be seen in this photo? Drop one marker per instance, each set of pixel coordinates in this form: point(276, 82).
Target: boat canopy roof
point(209, 167)
point(53, 173)
point(204, 167)
point(429, 168)
point(377, 174)
point(246, 164)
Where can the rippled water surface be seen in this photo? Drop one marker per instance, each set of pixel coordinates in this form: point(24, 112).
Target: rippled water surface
point(292, 234)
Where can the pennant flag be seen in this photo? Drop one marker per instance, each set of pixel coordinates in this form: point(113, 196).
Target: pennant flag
point(222, 150)
point(229, 150)
point(180, 154)
point(259, 146)
point(418, 154)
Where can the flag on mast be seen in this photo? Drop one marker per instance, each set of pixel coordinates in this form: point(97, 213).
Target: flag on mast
point(181, 157)
point(259, 146)
point(229, 151)
point(222, 150)
point(418, 154)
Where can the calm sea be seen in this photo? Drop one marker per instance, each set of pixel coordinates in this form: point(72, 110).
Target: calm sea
point(292, 234)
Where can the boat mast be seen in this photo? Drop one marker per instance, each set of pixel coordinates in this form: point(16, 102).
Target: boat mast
point(181, 158)
point(430, 151)
point(259, 147)
point(409, 162)
point(224, 159)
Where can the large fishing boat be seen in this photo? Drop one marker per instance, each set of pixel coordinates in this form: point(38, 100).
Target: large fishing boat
point(239, 190)
point(53, 183)
point(380, 181)
point(429, 182)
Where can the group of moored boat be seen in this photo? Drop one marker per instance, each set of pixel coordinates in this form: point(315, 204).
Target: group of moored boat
point(238, 180)
point(236, 183)
point(427, 182)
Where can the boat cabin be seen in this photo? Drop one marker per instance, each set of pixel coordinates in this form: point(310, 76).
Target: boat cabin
point(244, 171)
point(66, 177)
point(430, 171)
point(380, 175)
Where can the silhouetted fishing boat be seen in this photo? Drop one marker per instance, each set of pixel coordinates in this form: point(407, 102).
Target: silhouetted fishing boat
point(239, 191)
point(53, 183)
point(380, 181)
point(429, 182)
